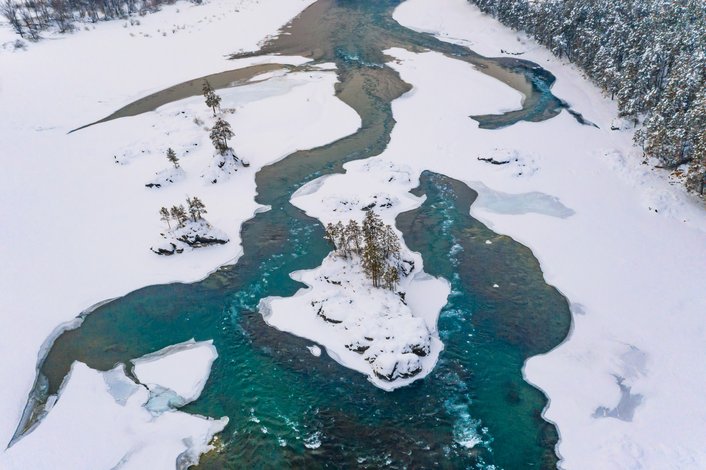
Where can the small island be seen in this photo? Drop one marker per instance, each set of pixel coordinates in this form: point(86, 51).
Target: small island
point(190, 229)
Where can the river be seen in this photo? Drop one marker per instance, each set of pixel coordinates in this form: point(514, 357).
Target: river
point(289, 409)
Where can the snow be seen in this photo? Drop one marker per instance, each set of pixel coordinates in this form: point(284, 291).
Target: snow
point(633, 274)
point(104, 419)
point(178, 368)
point(165, 177)
point(314, 350)
point(368, 329)
point(83, 219)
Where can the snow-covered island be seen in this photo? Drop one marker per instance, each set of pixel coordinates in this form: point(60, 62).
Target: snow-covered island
point(192, 234)
point(356, 305)
point(190, 230)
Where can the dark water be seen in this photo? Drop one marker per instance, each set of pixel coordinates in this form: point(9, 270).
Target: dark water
point(279, 397)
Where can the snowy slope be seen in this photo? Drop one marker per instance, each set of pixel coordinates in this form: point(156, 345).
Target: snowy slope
point(82, 224)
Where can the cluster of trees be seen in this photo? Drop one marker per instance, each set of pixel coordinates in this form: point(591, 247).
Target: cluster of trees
point(375, 243)
point(221, 131)
point(30, 17)
point(194, 210)
point(650, 55)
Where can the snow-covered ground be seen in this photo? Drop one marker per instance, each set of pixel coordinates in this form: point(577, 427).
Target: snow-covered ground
point(368, 329)
point(82, 219)
point(105, 420)
point(627, 249)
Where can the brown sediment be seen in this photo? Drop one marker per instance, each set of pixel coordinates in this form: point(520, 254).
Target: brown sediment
point(229, 78)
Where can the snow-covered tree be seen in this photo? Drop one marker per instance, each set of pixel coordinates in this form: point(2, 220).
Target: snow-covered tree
point(331, 235)
point(353, 236)
point(196, 208)
point(213, 101)
point(381, 249)
point(650, 55)
point(178, 213)
point(220, 133)
point(375, 243)
point(391, 278)
point(206, 88)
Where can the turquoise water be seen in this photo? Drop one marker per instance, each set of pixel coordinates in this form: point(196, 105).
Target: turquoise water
point(288, 408)
point(490, 331)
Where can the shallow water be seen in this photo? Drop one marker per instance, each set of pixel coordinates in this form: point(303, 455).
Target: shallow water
point(288, 408)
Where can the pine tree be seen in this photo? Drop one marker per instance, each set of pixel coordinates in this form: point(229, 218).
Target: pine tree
point(373, 260)
point(391, 278)
point(206, 88)
point(353, 236)
point(331, 235)
point(171, 156)
point(373, 227)
point(196, 208)
point(213, 101)
point(178, 213)
point(389, 244)
point(373, 263)
point(165, 216)
point(377, 245)
point(220, 133)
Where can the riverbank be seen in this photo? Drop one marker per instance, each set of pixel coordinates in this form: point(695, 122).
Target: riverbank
point(624, 387)
point(84, 222)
